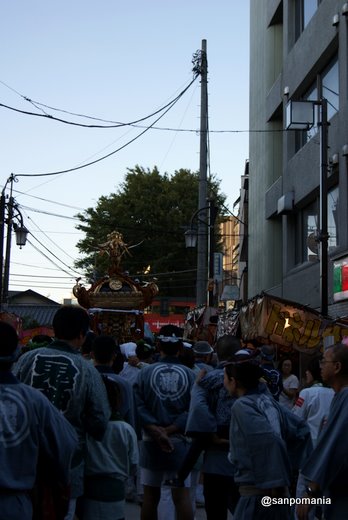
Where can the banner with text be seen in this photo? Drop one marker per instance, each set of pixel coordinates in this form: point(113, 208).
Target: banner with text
point(286, 323)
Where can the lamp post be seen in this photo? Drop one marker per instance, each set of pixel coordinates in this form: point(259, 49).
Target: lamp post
point(300, 116)
point(11, 208)
point(205, 285)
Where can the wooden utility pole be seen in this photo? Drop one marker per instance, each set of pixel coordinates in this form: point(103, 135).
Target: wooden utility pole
point(203, 224)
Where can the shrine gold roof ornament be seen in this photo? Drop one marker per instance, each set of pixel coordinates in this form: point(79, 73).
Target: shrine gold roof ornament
point(117, 290)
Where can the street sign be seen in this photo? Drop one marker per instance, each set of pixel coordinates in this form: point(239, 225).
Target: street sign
point(218, 270)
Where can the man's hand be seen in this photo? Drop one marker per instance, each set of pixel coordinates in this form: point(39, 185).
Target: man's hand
point(219, 440)
point(302, 511)
point(202, 373)
point(160, 435)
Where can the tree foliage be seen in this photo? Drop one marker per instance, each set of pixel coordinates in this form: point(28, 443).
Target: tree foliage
point(152, 212)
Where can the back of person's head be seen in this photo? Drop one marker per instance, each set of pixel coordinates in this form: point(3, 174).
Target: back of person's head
point(170, 345)
point(8, 345)
point(87, 344)
point(202, 349)
point(119, 360)
point(314, 368)
point(69, 322)
point(267, 353)
point(187, 356)
point(113, 392)
point(227, 346)
point(144, 350)
point(245, 369)
point(104, 349)
point(340, 354)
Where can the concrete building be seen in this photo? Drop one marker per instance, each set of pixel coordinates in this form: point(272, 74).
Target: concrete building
point(298, 51)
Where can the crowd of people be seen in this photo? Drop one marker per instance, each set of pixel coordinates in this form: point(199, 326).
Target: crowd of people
point(87, 423)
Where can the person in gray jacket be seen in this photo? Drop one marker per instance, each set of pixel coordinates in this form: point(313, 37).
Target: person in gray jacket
point(208, 424)
point(71, 383)
point(162, 393)
point(31, 430)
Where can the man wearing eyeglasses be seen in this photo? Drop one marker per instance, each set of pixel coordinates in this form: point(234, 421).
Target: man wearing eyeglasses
point(326, 470)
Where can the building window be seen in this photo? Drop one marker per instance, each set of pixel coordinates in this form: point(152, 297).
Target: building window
point(305, 10)
point(307, 231)
point(312, 95)
point(309, 8)
point(330, 87)
point(308, 228)
point(332, 217)
point(326, 86)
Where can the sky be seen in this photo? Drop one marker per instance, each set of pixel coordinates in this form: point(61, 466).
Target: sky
point(118, 61)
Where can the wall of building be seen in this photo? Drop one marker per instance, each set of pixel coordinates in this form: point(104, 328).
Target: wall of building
point(265, 160)
point(287, 55)
point(304, 58)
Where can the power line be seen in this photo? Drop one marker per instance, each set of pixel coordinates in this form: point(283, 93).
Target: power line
point(36, 210)
point(115, 124)
point(43, 276)
point(111, 153)
point(151, 127)
point(50, 239)
point(36, 266)
point(54, 284)
point(55, 256)
point(169, 272)
point(40, 286)
point(48, 200)
point(47, 257)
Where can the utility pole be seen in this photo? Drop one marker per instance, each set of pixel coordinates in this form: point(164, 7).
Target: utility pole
point(4, 295)
point(21, 237)
point(4, 300)
point(211, 248)
point(323, 236)
point(202, 242)
point(2, 236)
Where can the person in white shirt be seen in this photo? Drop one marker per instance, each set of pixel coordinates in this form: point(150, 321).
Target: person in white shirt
point(291, 384)
point(313, 402)
point(312, 405)
point(109, 463)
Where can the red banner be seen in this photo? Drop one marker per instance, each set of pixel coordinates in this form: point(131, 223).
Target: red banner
point(156, 321)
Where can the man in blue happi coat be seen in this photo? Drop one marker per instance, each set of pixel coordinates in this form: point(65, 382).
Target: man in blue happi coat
point(71, 383)
point(326, 470)
point(31, 430)
point(267, 442)
point(208, 423)
point(162, 393)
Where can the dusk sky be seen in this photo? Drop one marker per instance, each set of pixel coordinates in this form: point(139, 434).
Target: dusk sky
point(117, 61)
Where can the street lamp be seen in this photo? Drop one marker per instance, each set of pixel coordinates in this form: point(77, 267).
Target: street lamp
point(191, 238)
point(11, 208)
point(300, 116)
